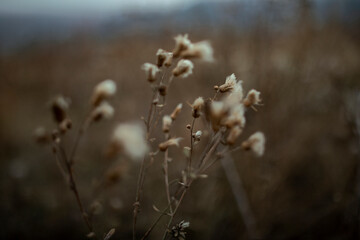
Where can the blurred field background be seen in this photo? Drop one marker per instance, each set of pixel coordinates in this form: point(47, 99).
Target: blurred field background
point(304, 57)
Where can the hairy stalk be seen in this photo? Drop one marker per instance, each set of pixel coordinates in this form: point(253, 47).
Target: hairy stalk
point(166, 177)
point(191, 145)
point(78, 138)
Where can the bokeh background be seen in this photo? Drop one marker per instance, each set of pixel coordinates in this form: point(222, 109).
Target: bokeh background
point(303, 55)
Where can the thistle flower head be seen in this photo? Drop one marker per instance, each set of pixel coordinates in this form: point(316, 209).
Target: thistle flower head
point(151, 70)
point(130, 137)
point(103, 111)
point(252, 98)
point(201, 50)
point(167, 120)
point(182, 43)
point(164, 58)
point(196, 107)
point(176, 111)
point(171, 142)
point(103, 90)
point(183, 68)
point(229, 84)
point(256, 143)
point(59, 107)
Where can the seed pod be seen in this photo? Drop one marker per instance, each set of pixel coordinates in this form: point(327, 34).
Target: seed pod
point(196, 107)
point(59, 108)
point(176, 111)
point(102, 91)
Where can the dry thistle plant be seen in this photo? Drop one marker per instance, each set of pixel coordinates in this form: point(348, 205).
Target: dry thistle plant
point(224, 114)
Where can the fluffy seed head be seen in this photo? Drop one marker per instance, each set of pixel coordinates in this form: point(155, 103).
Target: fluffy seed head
point(41, 135)
point(236, 116)
point(151, 70)
point(256, 143)
point(59, 107)
point(130, 137)
point(104, 110)
point(201, 50)
point(176, 111)
point(171, 142)
point(197, 135)
point(252, 98)
point(164, 58)
point(196, 107)
point(103, 90)
point(217, 112)
point(167, 120)
point(229, 84)
point(182, 43)
point(183, 68)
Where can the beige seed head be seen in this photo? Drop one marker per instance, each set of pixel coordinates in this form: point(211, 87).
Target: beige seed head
point(103, 111)
point(200, 50)
point(59, 107)
point(167, 121)
point(236, 116)
point(151, 70)
point(183, 68)
point(196, 107)
point(130, 137)
point(102, 91)
point(229, 84)
point(252, 98)
point(182, 43)
point(164, 58)
point(256, 143)
point(171, 142)
point(176, 111)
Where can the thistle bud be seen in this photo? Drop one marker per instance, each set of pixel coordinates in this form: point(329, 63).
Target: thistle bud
point(176, 111)
point(229, 84)
point(166, 123)
point(256, 143)
point(252, 98)
point(102, 91)
point(151, 70)
point(182, 43)
point(59, 107)
point(162, 90)
point(171, 142)
point(183, 68)
point(164, 58)
point(201, 50)
point(103, 111)
point(196, 107)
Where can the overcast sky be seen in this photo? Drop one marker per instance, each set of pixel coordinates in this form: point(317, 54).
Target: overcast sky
point(73, 7)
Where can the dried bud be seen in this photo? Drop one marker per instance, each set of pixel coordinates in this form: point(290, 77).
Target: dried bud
point(171, 142)
point(256, 143)
point(176, 111)
point(201, 50)
point(233, 135)
point(187, 151)
point(178, 231)
point(115, 174)
point(41, 135)
point(103, 111)
point(151, 70)
point(166, 123)
point(162, 90)
point(65, 125)
point(196, 107)
point(182, 43)
point(183, 68)
point(252, 98)
point(229, 84)
point(188, 126)
point(59, 107)
point(102, 91)
point(130, 137)
point(164, 58)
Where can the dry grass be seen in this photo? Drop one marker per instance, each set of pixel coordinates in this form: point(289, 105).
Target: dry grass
point(303, 187)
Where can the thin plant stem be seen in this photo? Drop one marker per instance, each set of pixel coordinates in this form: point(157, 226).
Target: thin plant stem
point(191, 145)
